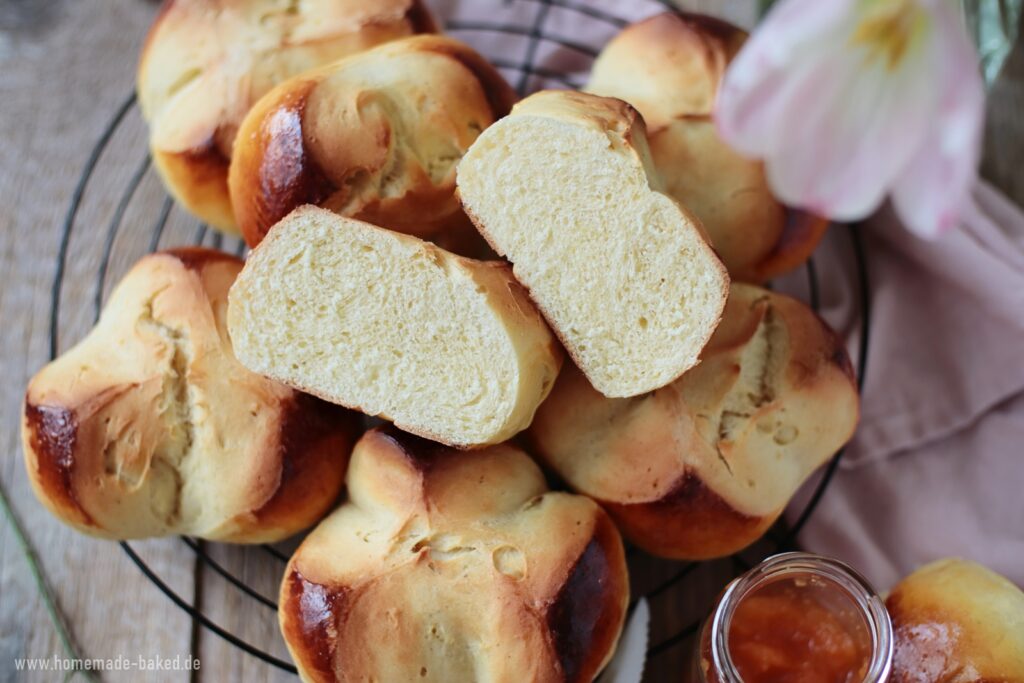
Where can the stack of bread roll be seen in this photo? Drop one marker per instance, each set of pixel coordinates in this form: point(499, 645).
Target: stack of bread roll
point(366, 166)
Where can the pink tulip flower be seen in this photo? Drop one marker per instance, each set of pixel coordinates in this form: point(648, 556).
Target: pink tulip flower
point(848, 101)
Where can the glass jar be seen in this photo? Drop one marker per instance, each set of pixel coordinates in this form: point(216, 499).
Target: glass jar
point(796, 617)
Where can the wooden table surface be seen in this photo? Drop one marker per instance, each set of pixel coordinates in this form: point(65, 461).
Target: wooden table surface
point(66, 67)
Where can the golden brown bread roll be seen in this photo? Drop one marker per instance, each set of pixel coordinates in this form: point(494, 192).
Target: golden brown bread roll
point(205, 62)
point(957, 622)
point(669, 67)
point(448, 565)
point(149, 426)
point(702, 467)
point(376, 137)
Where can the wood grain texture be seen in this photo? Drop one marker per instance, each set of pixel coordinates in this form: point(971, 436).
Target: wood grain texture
point(66, 66)
point(81, 54)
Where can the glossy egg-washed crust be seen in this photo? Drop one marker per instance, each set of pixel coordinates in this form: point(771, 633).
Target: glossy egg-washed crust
point(450, 565)
point(376, 137)
point(150, 426)
point(669, 67)
point(955, 621)
point(702, 467)
point(206, 62)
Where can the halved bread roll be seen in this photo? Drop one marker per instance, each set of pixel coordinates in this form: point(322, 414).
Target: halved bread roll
point(443, 346)
point(149, 426)
point(702, 467)
point(564, 187)
point(956, 621)
point(449, 567)
point(669, 67)
point(375, 136)
point(205, 62)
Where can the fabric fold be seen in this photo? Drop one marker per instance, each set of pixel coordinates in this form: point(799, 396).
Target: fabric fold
point(936, 464)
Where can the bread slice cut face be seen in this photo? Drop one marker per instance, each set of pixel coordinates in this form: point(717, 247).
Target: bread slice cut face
point(445, 347)
point(564, 188)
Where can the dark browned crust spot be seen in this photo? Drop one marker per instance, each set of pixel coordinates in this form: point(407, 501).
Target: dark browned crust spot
point(689, 522)
point(197, 258)
point(421, 453)
point(838, 356)
point(310, 623)
point(314, 444)
point(718, 28)
point(52, 434)
point(585, 617)
point(835, 349)
point(283, 171)
point(800, 236)
point(823, 353)
point(197, 176)
point(420, 19)
point(908, 647)
point(207, 162)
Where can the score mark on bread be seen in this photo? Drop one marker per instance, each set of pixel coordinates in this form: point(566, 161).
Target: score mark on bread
point(565, 189)
point(446, 347)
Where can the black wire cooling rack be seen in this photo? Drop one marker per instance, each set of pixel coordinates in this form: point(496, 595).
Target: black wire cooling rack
point(680, 593)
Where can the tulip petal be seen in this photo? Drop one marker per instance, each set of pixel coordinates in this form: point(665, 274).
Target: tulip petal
point(746, 105)
point(935, 186)
point(835, 122)
point(851, 131)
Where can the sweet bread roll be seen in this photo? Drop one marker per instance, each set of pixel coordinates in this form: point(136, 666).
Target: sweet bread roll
point(375, 136)
point(447, 566)
point(957, 622)
point(443, 346)
point(564, 188)
point(702, 467)
point(669, 67)
point(205, 62)
point(149, 426)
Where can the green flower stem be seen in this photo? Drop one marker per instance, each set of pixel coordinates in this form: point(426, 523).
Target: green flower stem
point(44, 591)
point(763, 6)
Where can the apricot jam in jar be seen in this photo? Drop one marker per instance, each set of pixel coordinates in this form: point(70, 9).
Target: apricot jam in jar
point(796, 618)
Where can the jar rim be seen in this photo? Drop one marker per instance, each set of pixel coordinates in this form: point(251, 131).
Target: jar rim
point(846, 577)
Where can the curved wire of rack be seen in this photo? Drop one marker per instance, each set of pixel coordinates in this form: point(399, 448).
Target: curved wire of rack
point(782, 538)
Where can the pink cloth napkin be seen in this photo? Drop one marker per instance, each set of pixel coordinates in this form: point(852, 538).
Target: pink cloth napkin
point(936, 467)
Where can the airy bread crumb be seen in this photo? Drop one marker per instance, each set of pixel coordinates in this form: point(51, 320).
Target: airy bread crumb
point(564, 187)
point(446, 347)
